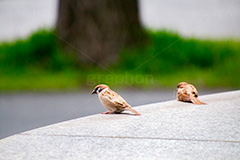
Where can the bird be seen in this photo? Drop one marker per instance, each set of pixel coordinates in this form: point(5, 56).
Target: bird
point(188, 93)
point(112, 101)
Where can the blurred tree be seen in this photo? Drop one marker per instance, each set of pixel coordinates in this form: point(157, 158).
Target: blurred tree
point(98, 29)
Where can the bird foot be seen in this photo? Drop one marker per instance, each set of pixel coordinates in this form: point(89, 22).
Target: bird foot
point(108, 112)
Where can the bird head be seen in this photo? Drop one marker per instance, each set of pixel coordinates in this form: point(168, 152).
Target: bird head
point(99, 88)
point(181, 84)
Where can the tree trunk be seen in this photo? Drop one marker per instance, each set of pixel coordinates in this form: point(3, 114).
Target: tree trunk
point(98, 29)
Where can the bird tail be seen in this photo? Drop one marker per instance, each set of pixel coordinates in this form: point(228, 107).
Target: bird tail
point(195, 100)
point(128, 108)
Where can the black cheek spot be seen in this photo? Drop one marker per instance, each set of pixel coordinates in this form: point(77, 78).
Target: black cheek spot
point(194, 94)
point(99, 89)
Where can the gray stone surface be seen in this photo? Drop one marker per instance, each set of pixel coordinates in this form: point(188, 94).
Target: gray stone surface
point(168, 130)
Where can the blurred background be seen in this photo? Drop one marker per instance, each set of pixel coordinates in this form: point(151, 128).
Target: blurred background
point(53, 53)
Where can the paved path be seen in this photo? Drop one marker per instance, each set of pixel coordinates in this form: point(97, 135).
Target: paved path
point(167, 130)
point(25, 111)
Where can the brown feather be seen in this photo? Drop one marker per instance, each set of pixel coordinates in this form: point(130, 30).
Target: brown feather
point(113, 101)
point(187, 93)
point(197, 101)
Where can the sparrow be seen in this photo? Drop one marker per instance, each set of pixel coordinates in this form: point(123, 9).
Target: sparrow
point(187, 93)
point(112, 101)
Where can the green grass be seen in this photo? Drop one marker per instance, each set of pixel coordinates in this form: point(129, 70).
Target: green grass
point(39, 63)
point(40, 80)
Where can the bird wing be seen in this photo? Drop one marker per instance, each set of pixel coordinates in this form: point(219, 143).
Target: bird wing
point(118, 102)
point(116, 99)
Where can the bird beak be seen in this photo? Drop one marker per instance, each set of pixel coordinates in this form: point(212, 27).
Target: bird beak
point(94, 91)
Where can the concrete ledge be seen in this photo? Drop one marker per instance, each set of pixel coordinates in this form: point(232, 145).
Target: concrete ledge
point(168, 130)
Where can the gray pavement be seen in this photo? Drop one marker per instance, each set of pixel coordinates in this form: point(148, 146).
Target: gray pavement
point(166, 130)
point(25, 111)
